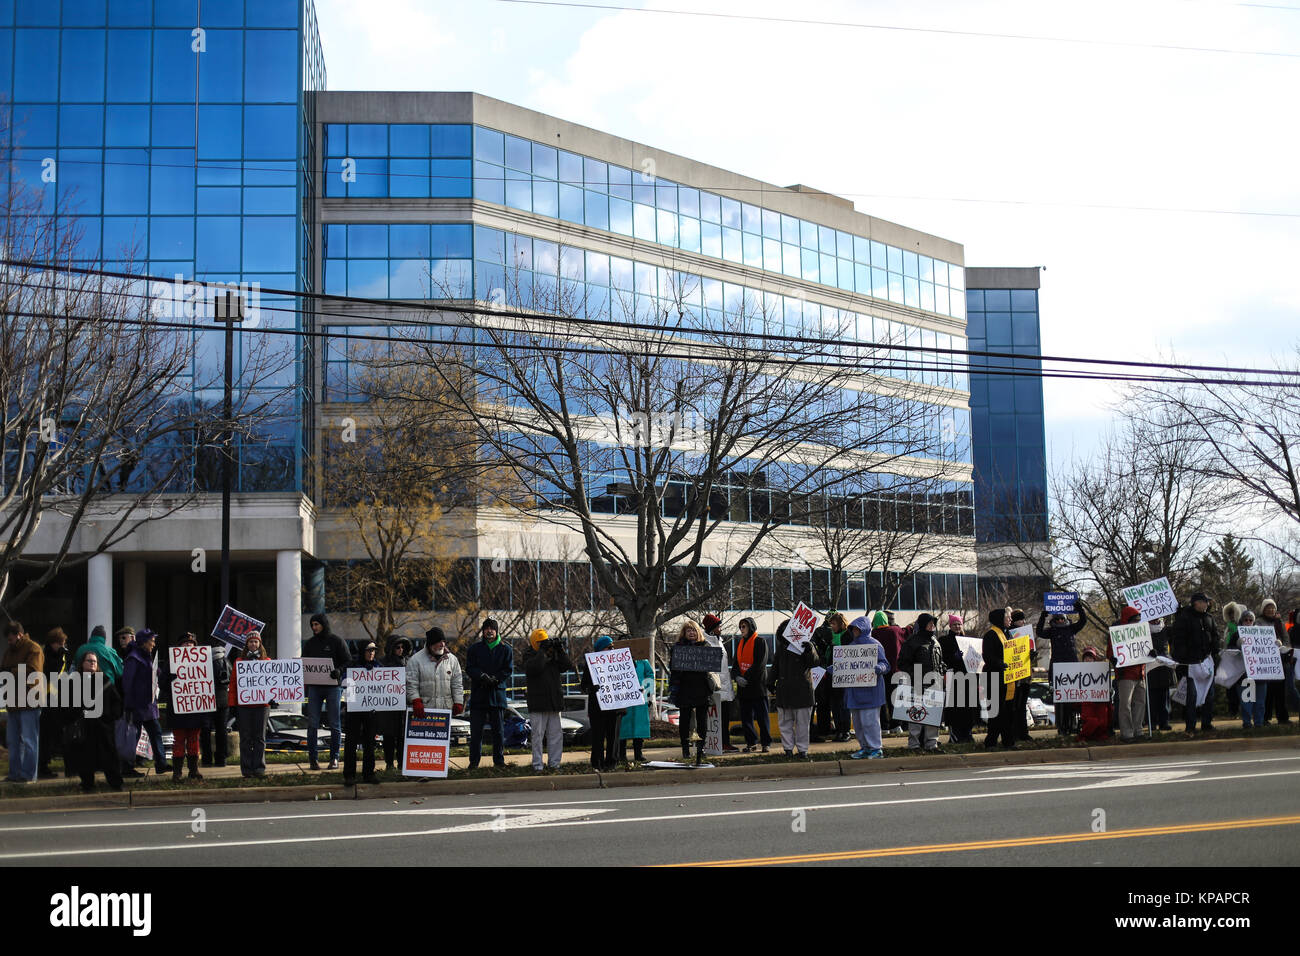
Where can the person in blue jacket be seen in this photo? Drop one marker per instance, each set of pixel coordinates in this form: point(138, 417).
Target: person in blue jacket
point(488, 663)
point(864, 703)
point(635, 725)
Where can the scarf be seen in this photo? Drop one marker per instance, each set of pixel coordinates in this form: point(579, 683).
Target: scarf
point(1011, 685)
point(835, 638)
point(745, 654)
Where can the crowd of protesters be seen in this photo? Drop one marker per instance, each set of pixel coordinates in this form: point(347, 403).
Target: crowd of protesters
point(1189, 649)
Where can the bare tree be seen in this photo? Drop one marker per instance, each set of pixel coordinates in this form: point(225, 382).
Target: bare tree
point(666, 426)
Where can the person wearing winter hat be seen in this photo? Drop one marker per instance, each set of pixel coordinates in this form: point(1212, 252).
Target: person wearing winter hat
point(1130, 688)
point(830, 716)
point(185, 728)
point(140, 692)
point(1194, 636)
point(250, 719)
point(544, 666)
point(433, 677)
point(110, 663)
point(489, 664)
point(921, 655)
point(392, 723)
point(323, 643)
point(725, 696)
point(889, 636)
point(1095, 722)
point(604, 723)
point(1160, 677)
point(750, 672)
point(1060, 635)
point(362, 726)
point(690, 691)
point(1002, 700)
point(1231, 619)
point(961, 719)
point(864, 703)
point(1278, 690)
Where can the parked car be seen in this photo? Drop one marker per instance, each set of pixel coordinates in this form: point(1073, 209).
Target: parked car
point(569, 728)
point(575, 709)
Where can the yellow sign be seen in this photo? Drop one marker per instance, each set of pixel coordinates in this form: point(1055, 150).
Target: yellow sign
point(1016, 654)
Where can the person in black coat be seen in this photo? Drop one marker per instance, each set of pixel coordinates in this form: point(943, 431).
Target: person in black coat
point(325, 643)
point(1195, 636)
point(218, 725)
point(1002, 722)
point(88, 741)
point(749, 669)
point(960, 719)
point(1060, 634)
point(54, 716)
point(604, 723)
point(691, 691)
point(791, 680)
point(361, 727)
point(392, 723)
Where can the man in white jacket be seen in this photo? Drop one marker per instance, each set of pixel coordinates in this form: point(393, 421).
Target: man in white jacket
point(433, 678)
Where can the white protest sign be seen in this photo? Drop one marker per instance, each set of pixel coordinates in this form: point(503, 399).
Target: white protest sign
point(1026, 630)
point(614, 672)
point(193, 691)
point(1231, 668)
point(1260, 653)
point(1086, 683)
point(260, 682)
point(316, 672)
point(1131, 644)
point(922, 705)
point(972, 653)
point(817, 674)
point(802, 624)
point(854, 665)
point(428, 742)
point(713, 728)
point(376, 688)
point(1153, 599)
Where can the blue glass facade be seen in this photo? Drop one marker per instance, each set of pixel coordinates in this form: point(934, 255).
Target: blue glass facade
point(1007, 428)
point(180, 141)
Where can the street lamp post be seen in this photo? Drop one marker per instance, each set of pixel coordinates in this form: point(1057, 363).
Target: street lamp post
point(229, 309)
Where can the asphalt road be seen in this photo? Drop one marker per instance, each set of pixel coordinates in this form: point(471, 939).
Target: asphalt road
point(1226, 809)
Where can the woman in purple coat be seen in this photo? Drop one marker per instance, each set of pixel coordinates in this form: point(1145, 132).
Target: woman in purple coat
point(140, 692)
point(864, 703)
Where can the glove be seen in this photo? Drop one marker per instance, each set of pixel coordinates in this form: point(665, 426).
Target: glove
point(335, 674)
point(742, 682)
point(457, 709)
point(418, 706)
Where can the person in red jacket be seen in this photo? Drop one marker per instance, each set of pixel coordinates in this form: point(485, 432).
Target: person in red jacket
point(250, 718)
point(1095, 717)
point(1130, 687)
point(890, 636)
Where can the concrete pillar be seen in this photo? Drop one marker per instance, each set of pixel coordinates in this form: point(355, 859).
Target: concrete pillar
point(133, 595)
point(288, 604)
point(99, 594)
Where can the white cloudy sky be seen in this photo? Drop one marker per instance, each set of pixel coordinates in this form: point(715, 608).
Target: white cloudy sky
point(1007, 146)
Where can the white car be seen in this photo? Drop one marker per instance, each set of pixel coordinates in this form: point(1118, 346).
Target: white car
point(569, 728)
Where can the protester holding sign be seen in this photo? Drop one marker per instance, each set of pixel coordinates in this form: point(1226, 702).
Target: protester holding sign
point(830, 715)
point(1060, 634)
point(750, 671)
point(690, 691)
point(864, 702)
point(921, 655)
point(250, 719)
point(433, 677)
point(635, 725)
point(1095, 723)
point(1001, 706)
point(544, 667)
point(1278, 690)
point(1160, 677)
point(889, 636)
point(393, 722)
point(1195, 639)
point(140, 692)
point(791, 679)
point(362, 727)
point(221, 715)
point(960, 719)
point(324, 643)
point(1130, 688)
point(192, 701)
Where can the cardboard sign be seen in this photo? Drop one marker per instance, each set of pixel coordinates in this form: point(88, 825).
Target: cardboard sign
point(614, 672)
point(1060, 602)
point(142, 746)
point(260, 682)
point(234, 626)
point(1086, 683)
point(1131, 644)
point(639, 646)
point(817, 674)
point(1016, 657)
point(316, 672)
point(802, 624)
point(713, 728)
point(1260, 653)
point(427, 744)
point(919, 706)
point(1153, 599)
point(193, 690)
point(972, 652)
point(854, 665)
point(1231, 668)
point(376, 688)
point(696, 657)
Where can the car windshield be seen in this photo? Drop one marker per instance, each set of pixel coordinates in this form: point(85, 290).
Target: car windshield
point(282, 722)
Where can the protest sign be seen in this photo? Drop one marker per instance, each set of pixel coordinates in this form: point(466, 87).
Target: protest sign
point(142, 746)
point(713, 728)
point(922, 705)
point(1025, 630)
point(696, 657)
point(802, 624)
point(316, 672)
point(260, 682)
point(614, 672)
point(193, 691)
point(376, 688)
point(1060, 602)
point(427, 744)
point(817, 674)
point(972, 653)
point(1260, 653)
point(1153, 599)
point(854, 665)
point(1086, 683)
point(1231, 668)
point(1131, 644)
point(234, 626)
point(1016, 657)
point(640, 647)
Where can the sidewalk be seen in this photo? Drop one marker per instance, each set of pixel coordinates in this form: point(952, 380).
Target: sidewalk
point(829, 760)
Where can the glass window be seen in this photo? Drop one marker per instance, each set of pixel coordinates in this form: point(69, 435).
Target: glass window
point(545, 161)
point(221, 131)
point(688, 202)
point(571, 202)
point(217, 244)
point(367, 241)
point(688, 233)
point(271, 132)
point(408, 242)
point(666, 195)
point(620, 182)
point(271, 13)
point(595, 175)
point(408, 139)
point(36, 64)
point(620, 216)
point(451, 141)
point(1024, 300)
point(449, 240)
point(367, 278)
point(710, 208)
point(408, 177)
point(643, 221)
point(807, 234)
point(826, 239)
point(82, 74)
point(667, 223)
point(546, 200)
point(519, 154)
point(711, 239)
point(171, 237)
point(570, 166)
point(597, 269)
point(84, 126)
point(450, 177)
point(731, 247)
point(489, 145)
point(173, 66)
point(171, 182)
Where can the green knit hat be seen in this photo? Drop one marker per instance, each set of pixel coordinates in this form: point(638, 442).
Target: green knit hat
point(878, 619)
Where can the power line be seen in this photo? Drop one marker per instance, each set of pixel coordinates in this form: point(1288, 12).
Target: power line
point(1128, 44)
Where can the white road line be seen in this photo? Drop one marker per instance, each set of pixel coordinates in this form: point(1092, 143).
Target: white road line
point(1086, 769)
point(1142, 781)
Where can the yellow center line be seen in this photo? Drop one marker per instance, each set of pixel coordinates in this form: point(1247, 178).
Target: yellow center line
point(1047, 840)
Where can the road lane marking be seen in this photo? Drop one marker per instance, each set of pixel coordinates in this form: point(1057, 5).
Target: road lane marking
point(1048, 770)
point(1011, 843)
point(1142, 781)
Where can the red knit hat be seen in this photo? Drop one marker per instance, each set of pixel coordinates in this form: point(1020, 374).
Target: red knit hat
point(710, 622)
point(1129, 614)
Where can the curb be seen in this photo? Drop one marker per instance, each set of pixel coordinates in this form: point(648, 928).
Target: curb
point(600, 781)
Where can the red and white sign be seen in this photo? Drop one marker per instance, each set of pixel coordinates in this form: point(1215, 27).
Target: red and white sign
point(376, 688)
point(1260, 652)
point(193, 690)
point(257, 683)
point(802, 624)
point(428, 742)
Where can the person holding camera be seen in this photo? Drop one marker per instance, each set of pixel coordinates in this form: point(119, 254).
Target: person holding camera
point(489, 663)
point(544, 666)
point(323, 643)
